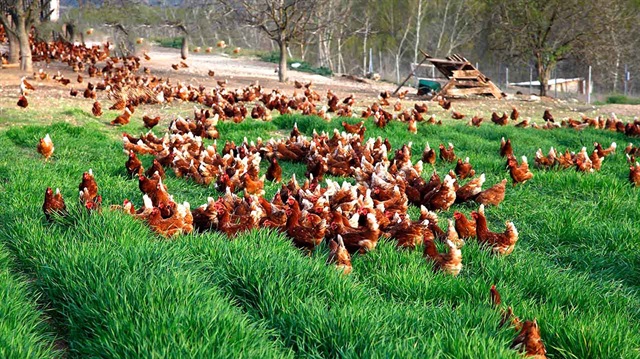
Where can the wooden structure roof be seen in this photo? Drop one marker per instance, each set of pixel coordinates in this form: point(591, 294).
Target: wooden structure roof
point(464, 78)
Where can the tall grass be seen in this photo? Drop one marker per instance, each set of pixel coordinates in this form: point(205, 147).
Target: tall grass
point(116, 290)
point(22, 331)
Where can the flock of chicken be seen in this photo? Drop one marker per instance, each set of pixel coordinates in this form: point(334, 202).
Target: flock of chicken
point(349, 217)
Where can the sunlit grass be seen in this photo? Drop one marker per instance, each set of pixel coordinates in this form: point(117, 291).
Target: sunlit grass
point(116, 290)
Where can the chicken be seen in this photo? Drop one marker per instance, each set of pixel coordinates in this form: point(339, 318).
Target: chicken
point(134, 165)
point(150, 122)
point(450, 262)
point(45, 147)
point(441, 197)
point(508, 317)
point(211, 73)
point(605, 152)
point(464, 227)
point(493, 195)
point(476, 121)
point(428, 155)
point(122, 119)
point(447, 154)
point(519, 173)
point(24, 86)
point(505, 148)
point(529, 341)
point(88, 190)
point(53, 204)
point(274, 172)
point(155, 167)
point(89, 183)
point(421, 107)
point(22, 102)
point(407, 233)
point(357, 238)
point(495, 296)
point(339, 255)
point(295, 133)
point(352, 128)
point(398, 106)
point(275, 215)
point(464, 169)
point(547, 116)
point(583, 162)
point(437, 232)
point(634, 174)
point(457, 115)
point(545, 162)
point(515, 114)
point(307, 230)
point(444, 103)
point(500, 243)
point(596, 160)
point(412, 126)
point(253, 186)
point(178, 223)
point(96, 109)
point(500, 120)
point(452, 234)
point(523, 124)
point(470, 189)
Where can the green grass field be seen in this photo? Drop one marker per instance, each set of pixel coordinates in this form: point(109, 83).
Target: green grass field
point(106, 286)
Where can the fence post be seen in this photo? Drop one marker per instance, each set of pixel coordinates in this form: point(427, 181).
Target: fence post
point(530, 79)
point(506, 85)
point(370, 60)
point(626, 79)
point(555, 87)
point(589, 86)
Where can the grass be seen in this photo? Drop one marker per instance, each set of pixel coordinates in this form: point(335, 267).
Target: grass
point(622, 100)
point(114, 289)
point(274, 57)
point(22, 331)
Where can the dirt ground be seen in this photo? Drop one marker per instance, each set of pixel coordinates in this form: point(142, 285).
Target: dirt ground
point(242, 71)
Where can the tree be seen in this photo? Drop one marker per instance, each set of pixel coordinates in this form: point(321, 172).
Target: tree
point(546, 31)
point(282, 21)
point(17, 17)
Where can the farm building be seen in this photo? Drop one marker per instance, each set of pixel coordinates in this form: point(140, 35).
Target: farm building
point(576, 85)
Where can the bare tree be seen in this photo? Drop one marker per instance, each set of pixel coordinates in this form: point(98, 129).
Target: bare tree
point(547, 31)
point(282, 21)
point(17, 17)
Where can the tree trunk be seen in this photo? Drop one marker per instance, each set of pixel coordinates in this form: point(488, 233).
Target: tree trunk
point(14, 48)
point(364, 47)
point(26, 63)
point(544, 70)
point(398, 69)
point(418, 23)
point(282, 67)
point(184, 51)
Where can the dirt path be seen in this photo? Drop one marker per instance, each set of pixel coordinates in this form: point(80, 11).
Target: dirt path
point(243, 71)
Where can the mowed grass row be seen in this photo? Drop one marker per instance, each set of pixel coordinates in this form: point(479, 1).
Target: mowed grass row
point(576, 250)
point(114, 288)
point(23, 334)
point(89, 256)
point(472, 313)
point(588, 222)
point(319, 312)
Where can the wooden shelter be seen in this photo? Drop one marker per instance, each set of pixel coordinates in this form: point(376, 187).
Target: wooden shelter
point(464, 78)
